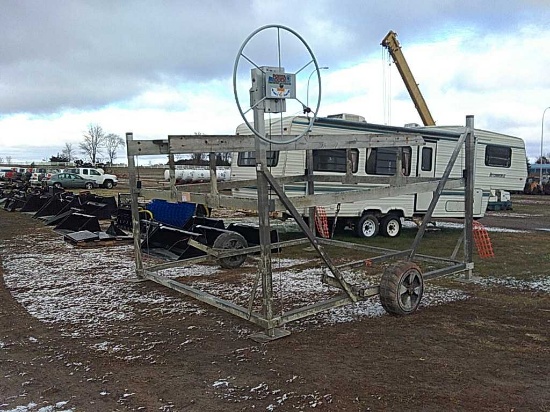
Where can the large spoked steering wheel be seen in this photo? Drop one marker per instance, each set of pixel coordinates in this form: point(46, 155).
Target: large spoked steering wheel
point(313, 60)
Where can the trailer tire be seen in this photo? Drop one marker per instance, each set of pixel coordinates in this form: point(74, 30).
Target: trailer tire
point(401, 288)
point(390, 226)
point(367, 226)
point(231, 240)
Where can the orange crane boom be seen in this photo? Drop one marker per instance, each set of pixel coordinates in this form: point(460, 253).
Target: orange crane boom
point(394, 48)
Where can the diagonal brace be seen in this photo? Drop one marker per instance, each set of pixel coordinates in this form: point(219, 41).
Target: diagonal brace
point(310, 235)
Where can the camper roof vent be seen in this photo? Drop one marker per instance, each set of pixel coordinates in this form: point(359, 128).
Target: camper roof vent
point(347, 116)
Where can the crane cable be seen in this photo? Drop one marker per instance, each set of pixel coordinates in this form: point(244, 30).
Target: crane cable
point(386, 85)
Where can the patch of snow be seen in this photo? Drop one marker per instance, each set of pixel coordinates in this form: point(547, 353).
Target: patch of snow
point(455, 225)
point(31, 407)
point(541, 284)
point(88, 287)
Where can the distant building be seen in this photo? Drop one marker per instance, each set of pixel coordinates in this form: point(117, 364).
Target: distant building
point(534, 170)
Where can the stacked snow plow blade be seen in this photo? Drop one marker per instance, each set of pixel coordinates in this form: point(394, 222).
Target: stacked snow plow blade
point(195, 235)
point(168, 230)
point(75, 215)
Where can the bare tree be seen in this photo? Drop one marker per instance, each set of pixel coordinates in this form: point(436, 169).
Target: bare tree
point(8, 160)
point(112, 143)
point(68, 152)
point(197, 158)
point(1, 160)
point(223, 158)
point(94, 139)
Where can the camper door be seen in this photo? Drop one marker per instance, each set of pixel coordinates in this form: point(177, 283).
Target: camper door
point(425, 168)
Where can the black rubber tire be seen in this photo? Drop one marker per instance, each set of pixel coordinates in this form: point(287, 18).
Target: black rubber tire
point(231, 240)
point(57, 185)
point(390, 226)
point(367, 226)
point(108, 184)
point(401, 288)
point(88, 186)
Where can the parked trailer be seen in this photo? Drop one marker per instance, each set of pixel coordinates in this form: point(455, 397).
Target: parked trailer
point(500, 165)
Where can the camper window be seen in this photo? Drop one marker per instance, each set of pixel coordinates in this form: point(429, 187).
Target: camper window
point(426, 164)
point(383, 161)
point(249, 158)
point(498, 156)
point(334, 160)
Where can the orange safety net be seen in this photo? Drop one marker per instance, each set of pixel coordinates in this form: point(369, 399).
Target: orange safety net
point(482, 241)
point(321, 222)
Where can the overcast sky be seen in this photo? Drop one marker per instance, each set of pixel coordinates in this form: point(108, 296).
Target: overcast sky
point(159, 68)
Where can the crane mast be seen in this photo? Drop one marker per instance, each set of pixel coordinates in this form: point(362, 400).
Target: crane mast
point(394, 48)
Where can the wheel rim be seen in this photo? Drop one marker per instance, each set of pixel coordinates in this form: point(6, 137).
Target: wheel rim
point(368, 228)
point(410, 290)
point(233, 244)
point(392, 227)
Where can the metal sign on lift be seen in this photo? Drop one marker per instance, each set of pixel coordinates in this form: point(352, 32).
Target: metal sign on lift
point(280, 86)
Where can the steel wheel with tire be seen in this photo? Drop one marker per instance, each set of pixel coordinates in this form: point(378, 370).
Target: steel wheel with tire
point(367, 226)
point(57, 185)
point(108, 184)
point(88, 186)
point(390, 226)
point(231, 240)
point(401, 288)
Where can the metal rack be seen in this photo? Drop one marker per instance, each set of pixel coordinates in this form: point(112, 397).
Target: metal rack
point(210, 195)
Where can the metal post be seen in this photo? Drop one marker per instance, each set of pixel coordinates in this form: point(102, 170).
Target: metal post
point(134, 193)
point(264, 265)
point(213, 174)
point(541, 144)
point(469, 195)
point(310, 188)
point(172, 167)
point(308, 79)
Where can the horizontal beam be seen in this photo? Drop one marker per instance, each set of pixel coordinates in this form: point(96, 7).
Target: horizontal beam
point(317, 307)
point(180, 144)
point(233, 184)
point(209, 299)
point(147, 147)
point(460, 267)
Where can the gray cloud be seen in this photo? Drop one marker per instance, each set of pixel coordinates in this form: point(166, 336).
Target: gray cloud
point(87, 54)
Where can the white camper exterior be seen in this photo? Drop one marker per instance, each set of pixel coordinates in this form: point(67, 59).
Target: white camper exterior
point(500, 164)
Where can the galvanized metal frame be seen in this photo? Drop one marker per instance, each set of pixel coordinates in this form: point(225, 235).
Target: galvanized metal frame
point(209, 195)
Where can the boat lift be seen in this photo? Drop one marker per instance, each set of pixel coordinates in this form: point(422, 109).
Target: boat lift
point(402, 283)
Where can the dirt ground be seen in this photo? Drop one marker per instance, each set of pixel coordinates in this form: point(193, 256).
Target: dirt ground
point(487, 353)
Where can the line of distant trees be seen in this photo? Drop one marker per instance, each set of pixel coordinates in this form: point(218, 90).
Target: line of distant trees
point(100, 148)
point(202, 159)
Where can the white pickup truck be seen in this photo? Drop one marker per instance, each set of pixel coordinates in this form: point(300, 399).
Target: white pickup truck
point(101, 178)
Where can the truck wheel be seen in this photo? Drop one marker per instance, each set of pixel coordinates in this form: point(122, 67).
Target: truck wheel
point(390, 226)
point(367, 226)
point(88, 186)
point(401, 288)
point(108, 184)
point(231, 240)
